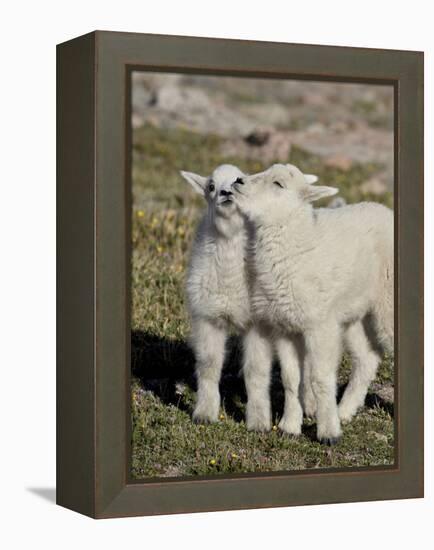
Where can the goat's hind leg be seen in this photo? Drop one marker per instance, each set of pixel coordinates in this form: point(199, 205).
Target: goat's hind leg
point(289, 358)
point(364, 362)
point(308, 397)
point(323, 351)
point(208, 342)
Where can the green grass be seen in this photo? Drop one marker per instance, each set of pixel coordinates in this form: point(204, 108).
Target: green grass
point(165, 441)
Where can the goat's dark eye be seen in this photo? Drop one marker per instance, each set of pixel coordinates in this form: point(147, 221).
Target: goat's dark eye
point(277, 183)
point(211, 187)
point(239, 180)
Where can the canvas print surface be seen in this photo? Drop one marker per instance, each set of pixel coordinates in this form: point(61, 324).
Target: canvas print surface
point(262, 277)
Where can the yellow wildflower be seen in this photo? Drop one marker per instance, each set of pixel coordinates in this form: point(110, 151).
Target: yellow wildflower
point(212, 462)
point(275, 428)
point(140, 213)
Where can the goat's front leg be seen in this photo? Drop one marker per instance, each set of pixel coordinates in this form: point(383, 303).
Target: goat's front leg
point(208, 342)
point(257, 364)
point(289, 359)
point(323, 351)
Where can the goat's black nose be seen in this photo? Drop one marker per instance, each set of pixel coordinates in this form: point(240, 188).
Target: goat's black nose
point(225, 193)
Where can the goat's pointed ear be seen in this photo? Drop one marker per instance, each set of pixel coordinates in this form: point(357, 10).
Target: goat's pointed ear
point(310, 178)
point(197, 182)
point(314, 193)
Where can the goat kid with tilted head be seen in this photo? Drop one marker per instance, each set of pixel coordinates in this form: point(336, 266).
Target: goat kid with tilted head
point(325, 275)
point(216, 285)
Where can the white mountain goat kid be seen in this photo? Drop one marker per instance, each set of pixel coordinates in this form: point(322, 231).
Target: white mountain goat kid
point(325, 274)
point(216, 289)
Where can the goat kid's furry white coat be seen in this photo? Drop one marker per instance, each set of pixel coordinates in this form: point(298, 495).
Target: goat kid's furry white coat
point(216, 287)
point(325, 275)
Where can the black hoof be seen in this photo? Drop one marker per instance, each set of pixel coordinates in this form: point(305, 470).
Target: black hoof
point(329, 441)
point(202, 421)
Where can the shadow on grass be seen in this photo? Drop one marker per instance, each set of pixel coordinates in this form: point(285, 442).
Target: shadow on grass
point(372, 400)
point(163, 365)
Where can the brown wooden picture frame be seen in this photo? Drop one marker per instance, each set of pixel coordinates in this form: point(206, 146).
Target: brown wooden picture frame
point(93, 362)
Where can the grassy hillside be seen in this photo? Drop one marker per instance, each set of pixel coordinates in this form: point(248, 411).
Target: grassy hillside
point(165, 441)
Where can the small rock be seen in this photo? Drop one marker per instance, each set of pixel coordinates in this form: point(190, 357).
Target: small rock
point(314, 99)
point(267, 146)
point(172, 471)
point(339, 126)
point(374, 185)
point(174, 98)
point(386, 392)
point(341, 162)
point(180, 388)
point(137, 120)
point(379, 437)
point(337, 202)
point(258, 137)
point(316, 128)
